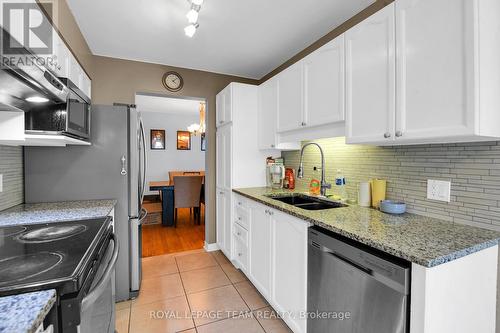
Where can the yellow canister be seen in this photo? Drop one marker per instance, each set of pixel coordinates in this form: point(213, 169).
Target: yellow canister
point(379, 187)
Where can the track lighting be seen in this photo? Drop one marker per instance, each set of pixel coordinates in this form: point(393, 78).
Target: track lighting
point(190, 30)
point(192, 17)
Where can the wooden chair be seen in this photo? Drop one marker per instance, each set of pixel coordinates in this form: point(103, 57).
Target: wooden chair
point(187, 191)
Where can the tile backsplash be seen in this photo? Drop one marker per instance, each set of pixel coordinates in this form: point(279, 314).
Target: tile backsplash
point(11, 167)
point(472, 168)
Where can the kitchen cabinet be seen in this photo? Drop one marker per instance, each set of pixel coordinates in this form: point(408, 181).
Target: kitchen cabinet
point(324, 84)
point(370, 78)
point(223, 214)
point(422, 71)
point(289, 268)
point(267, 117)
point(224, 107)
point(224, 156)
point(290, 98)
point(260, 245)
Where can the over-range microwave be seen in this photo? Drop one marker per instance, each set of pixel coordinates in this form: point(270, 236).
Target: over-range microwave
point(71, 118)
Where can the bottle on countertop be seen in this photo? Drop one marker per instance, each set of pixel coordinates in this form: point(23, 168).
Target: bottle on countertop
point(340, 185)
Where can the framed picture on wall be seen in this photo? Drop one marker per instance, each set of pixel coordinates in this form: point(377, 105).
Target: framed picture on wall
point(183, 140)
point(158, 139)
point(203, 142)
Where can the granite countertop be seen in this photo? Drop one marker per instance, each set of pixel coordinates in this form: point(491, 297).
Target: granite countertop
point(25, 312)
point(56, 212)
point(421, 240)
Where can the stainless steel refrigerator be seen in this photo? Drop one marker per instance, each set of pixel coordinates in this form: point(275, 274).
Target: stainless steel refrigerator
point(113, 167)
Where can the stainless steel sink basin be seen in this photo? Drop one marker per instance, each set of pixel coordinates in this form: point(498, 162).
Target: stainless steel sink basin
point(308, 202)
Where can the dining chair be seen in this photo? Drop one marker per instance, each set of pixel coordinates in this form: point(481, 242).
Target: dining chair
point(187, 191)
point(186, 173)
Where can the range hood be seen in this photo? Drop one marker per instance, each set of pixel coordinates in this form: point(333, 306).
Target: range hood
point(22, 77)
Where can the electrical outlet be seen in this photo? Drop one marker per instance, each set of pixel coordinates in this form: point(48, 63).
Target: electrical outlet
point(438, 190)
point(1, 183)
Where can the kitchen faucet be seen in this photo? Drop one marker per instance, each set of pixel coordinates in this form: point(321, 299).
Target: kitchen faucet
point(300, 172)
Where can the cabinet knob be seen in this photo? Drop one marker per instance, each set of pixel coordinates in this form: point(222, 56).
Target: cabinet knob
point(239, 218)
point(240, 254)
point(221, 121)
point(303, 123)
point(272, 146)
point(387, 135)
point(238, 233)
point(239, 203)
point(399, 134)
point(221, 193)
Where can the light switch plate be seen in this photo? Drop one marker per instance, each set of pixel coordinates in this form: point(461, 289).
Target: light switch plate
point(1, 183)
point(438, 190)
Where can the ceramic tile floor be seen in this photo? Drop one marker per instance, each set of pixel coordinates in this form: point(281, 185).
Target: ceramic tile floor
point(196, 292)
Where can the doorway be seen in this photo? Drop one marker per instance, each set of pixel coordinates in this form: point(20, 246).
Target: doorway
point(176, 148)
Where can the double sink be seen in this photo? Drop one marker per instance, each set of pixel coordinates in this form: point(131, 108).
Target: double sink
point(307, 202)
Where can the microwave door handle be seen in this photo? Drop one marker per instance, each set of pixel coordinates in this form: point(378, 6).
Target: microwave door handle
point(94, 294)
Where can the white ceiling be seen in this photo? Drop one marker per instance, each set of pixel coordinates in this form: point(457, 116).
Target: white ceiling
point(147, 103)
point(245, 38)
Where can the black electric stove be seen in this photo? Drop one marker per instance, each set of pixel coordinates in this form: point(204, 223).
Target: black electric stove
point(55, 255)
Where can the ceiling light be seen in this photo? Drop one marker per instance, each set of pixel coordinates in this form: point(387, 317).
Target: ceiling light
point(192, 16)
point(197, 2)
point(190, 30)
point(37, 99)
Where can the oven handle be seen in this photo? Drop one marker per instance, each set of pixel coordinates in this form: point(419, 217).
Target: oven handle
point(101, 285)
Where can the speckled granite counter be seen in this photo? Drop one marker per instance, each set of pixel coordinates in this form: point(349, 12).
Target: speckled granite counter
point(422, 240)
point(56, 211)
point(25, 312)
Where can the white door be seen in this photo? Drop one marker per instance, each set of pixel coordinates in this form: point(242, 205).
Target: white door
point(260, 249)
point(228, 221)
point(219, 108)
point(220, 218)
point(324, 84)
point(289, 264)
point(290, 101)
point(435, 68)
point(370, 76)
point(220, 149)
point(267, 113)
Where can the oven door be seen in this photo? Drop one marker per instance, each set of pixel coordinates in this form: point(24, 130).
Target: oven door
point(78, 118)
point(98, 306)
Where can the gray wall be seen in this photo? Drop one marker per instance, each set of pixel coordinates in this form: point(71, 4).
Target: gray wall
point(473, 168)
point(11, 167)
point(160, 162)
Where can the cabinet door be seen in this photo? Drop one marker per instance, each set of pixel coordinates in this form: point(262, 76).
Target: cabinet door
point(228, 104)
point(220, 218)
point(228, 152)
point(290, 101)
point(260, 249)
point(228, 221)
point(267, 114)
point(219, 108)
point(435, 68)
point(289, 264)
point(220, 149)
point(324, 84)
point(370, 76)
point(74, 70)
point(62, 58)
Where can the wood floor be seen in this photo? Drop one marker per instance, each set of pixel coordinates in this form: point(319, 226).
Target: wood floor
point(158, 240)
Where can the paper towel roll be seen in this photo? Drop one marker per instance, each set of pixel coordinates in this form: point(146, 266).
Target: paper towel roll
point(364, 194)
point(378, 191)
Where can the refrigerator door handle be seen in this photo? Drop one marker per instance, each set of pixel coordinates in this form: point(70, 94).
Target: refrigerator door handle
point(145, 157)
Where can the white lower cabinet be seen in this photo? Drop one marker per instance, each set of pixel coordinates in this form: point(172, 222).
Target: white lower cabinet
point(223, 212)
point(277, 260)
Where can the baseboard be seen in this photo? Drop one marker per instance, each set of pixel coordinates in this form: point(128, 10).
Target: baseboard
point(211, 247)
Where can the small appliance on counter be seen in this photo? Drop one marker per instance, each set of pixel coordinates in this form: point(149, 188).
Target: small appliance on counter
point(275, 173)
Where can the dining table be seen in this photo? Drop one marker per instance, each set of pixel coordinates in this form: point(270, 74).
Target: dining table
point(166, 187)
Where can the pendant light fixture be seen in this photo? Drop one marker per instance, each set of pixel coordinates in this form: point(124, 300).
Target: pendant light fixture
point(196, 128)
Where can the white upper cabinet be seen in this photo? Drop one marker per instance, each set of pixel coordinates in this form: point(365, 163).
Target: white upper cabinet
point(290, 98)
point(268, 106)
point(223, 113)
point(435, 68)
point(324, 84)
point(370, 78)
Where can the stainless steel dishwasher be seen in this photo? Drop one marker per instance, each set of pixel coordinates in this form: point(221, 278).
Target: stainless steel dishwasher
point(352, 289)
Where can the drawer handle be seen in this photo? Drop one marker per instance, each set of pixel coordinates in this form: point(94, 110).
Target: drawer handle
point(240, 254)
point(387, 135)
point(399, 134)
point(239, 218)
point(239, 203)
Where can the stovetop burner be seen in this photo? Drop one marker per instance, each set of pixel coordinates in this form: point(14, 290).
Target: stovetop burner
point(52, 233)
point(23, 267)
point(11, 231)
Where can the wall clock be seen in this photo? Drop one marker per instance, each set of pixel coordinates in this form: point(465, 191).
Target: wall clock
point(172, 81)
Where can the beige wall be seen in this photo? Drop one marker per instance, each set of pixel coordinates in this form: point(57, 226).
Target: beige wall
point(116, 80)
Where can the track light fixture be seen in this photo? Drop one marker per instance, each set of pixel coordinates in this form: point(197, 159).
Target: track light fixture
point(192, 17)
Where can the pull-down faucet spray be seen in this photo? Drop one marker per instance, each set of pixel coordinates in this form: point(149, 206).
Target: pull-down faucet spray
point(300, 172)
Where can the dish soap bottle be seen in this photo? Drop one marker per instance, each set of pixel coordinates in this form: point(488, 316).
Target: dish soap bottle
point(340, 185)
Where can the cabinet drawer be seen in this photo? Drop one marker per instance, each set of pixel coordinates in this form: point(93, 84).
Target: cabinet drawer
point(242, 216)
point(241, 254)
point(241, 234)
